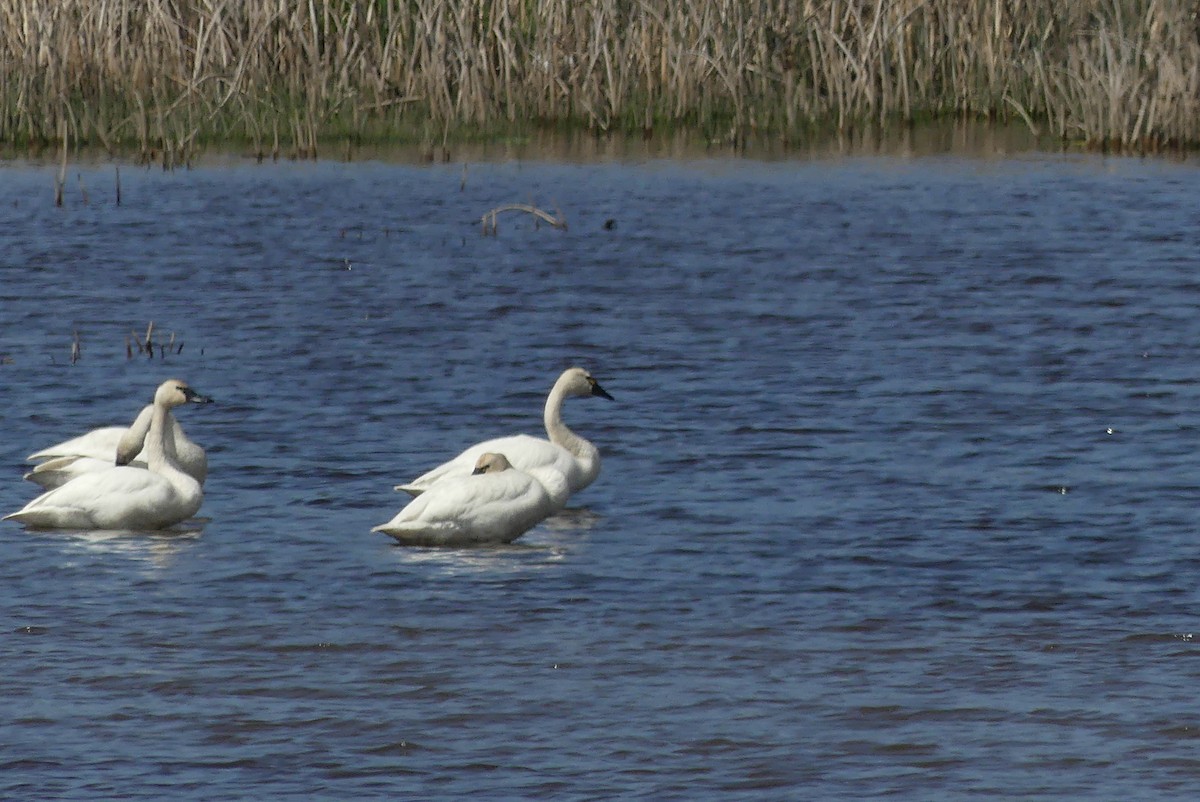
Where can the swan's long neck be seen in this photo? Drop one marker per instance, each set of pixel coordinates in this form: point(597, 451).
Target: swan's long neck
point(587, 454)
point(134, 439)
point(159, 449)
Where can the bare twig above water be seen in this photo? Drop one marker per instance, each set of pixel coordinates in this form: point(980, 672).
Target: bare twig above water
point(489, 219)
point(146, 345)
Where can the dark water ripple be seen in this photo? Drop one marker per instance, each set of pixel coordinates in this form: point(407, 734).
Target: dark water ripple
point(898, 495)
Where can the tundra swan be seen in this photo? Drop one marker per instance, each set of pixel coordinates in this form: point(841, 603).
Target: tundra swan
point(101, 448)
point(564, 464)
point(122, 496)
point(494, 504)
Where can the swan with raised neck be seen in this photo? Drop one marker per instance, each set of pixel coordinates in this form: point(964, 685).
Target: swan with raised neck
point(564, 464)
point(125, 497)
point(101, 448)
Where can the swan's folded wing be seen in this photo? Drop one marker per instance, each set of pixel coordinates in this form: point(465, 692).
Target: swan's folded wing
point(524, 452)
point(100, 487)
point(498, 506)
point(99, 443)
point(58, 471)
point(489, 508)
point(119, 498)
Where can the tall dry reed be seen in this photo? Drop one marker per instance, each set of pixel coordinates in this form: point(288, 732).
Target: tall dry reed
point(163, 76)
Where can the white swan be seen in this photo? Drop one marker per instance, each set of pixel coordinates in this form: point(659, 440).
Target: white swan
point(495, 504)
point(101, 448)
point(564, 464)
point(122, 496)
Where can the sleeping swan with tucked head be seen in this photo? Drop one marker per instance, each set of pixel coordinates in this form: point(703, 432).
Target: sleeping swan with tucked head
point(121, 496)
point(494, 504)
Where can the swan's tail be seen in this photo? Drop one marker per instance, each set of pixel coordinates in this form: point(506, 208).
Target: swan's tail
point(38, 519)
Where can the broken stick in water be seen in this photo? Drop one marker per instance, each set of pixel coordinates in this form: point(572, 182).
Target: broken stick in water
point(489, 219)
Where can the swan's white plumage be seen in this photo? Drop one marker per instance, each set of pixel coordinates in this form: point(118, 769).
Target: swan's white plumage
point(58, 471)
point(101, 443)
point(563, 465)
point(102, 448)
point(124, 497)
point(495, 504)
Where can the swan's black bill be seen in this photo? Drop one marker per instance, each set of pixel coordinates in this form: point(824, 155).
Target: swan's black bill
point(598, 390)
point(194, 397)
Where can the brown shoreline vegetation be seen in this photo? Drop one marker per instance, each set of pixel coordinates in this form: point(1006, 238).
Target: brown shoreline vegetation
point(164, 78)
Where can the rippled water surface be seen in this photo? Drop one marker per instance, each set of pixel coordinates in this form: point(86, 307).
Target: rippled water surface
point(899, 492)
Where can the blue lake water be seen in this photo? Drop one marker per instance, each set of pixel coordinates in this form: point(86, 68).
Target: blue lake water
point(899, 494)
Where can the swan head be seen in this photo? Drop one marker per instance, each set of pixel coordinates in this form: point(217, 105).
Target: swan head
point(491, 463)
point(174, 392)
point(577, 381)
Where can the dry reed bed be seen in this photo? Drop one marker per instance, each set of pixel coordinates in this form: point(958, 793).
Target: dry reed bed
point(162, 76)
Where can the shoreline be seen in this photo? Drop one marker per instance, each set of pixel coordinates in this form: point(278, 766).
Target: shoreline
point(969, 139)
point(295, 80)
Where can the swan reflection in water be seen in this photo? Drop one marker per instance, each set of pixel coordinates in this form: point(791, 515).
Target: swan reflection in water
point(572, 519)
point(545, 545)
point(156, 550)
